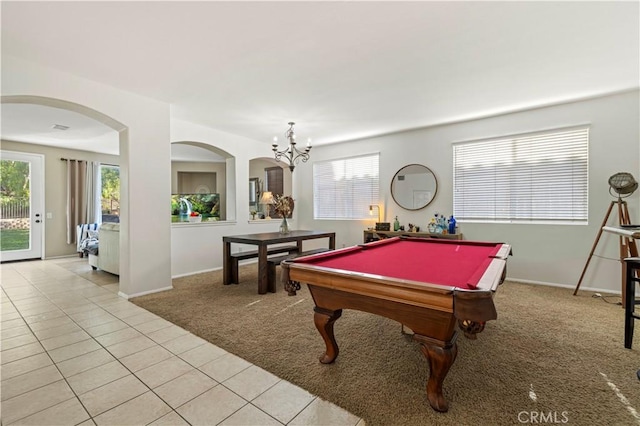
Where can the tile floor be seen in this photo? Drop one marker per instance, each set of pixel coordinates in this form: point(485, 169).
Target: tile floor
point(74, 353)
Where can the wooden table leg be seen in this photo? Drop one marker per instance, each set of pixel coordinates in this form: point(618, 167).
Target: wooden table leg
point(441, 356)
point(324, 320)
point(226, 263)
point(263, 273)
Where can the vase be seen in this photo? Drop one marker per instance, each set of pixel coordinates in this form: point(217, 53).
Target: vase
point(284, 226)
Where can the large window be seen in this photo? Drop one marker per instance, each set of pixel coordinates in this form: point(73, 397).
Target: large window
point(110, 193)
point(541, 177)
point(344, 189)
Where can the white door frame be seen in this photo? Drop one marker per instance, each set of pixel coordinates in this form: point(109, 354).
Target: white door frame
point(36, 203)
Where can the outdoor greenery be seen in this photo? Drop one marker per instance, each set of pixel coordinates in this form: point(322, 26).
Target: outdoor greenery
point(14, 180)
point(110, 189)
point(14, 194)
point(14, 239)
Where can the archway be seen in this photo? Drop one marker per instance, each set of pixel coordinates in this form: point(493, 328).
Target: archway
point(267, 174)
point(200, 168)
point(123, 141)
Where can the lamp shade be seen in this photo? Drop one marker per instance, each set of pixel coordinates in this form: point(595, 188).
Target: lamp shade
point(267, 198)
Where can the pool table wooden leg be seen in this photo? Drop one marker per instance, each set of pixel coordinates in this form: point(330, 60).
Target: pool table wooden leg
point(441, 356)
point(324, 320)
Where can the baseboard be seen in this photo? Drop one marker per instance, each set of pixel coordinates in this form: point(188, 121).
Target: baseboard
point(196, 273)
point(144, 293)
point(569, 286)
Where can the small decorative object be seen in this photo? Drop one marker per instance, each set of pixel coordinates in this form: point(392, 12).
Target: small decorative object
point(432, 227)
point(283, 206)
point(452, 225)
point(440, 223)
point(396, 224)
point(383, 226)
point(253, 214)
point(195, 217)
point(284, 226)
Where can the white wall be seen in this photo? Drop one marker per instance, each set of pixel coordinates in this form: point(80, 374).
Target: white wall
point(145, 158)
point(552, 254)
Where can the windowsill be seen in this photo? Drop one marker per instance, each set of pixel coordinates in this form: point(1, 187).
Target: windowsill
point(265, 221)
point(208, 223)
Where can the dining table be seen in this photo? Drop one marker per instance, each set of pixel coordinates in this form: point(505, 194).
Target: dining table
point(264, 241)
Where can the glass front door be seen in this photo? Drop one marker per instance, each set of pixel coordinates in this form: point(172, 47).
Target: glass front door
point(21, 206)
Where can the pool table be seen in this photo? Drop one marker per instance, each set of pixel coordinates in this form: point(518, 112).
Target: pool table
point(428, 285)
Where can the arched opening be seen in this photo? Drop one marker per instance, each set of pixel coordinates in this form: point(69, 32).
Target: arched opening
point(120, 140)
point(266, 175)
point(201, 176)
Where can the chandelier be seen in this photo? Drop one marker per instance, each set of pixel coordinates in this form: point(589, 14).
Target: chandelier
point(291, 153)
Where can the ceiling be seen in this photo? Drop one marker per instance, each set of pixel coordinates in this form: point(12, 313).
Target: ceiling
point(340, 70)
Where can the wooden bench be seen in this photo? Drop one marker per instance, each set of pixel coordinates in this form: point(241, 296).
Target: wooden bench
point(244, 255)
point(272, 262)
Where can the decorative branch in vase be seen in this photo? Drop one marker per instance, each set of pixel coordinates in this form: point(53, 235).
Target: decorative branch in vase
point(284, 207)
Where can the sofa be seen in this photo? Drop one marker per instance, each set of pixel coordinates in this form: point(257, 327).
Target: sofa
point(108, 255)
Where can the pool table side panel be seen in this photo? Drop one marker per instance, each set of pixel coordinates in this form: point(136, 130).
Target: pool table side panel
point(434, 323)
point(431, 297)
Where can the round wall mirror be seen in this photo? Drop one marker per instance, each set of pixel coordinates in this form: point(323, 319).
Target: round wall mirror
point(413, 187)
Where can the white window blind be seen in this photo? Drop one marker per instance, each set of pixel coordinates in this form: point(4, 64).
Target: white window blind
point(535, 177)
point(344, 189)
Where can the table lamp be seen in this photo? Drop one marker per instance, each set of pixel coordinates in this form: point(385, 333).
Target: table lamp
point(374, 206)
point(267, 199)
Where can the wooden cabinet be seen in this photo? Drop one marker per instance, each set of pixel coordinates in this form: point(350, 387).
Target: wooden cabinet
point(373, 235)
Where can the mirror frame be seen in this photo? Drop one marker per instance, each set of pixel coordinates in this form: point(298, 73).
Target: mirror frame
point(428, 170)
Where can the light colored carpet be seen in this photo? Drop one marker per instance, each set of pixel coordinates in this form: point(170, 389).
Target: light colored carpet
point(566, 350)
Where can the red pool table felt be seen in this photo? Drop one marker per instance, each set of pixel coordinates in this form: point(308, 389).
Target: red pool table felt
point(458, 264)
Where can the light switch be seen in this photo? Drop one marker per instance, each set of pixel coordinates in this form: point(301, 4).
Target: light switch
point(49, 215)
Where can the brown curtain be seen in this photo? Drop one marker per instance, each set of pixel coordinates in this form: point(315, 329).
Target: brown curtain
point(92, 192)
point(76, 197)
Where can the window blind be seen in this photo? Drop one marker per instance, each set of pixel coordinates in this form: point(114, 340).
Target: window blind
point(274, 182)
point(534, 177)
point(344, 189)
